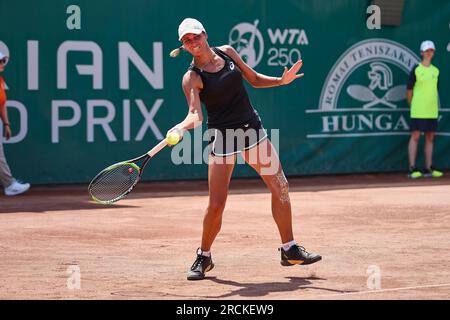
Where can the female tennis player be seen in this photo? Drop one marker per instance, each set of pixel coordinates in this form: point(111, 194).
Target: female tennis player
point(215, 78)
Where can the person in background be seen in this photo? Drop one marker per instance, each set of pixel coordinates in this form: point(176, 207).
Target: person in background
point(422, 96)
point(11, 185)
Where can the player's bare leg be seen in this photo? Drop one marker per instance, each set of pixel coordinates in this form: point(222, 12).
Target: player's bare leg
point(264, 159)
point(412, 148)
point(220, 170)
point(276, 182)
point(430, 171)
point(429, 138)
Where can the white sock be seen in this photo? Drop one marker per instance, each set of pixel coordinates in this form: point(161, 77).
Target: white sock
point(288, 245)
point(206, 253)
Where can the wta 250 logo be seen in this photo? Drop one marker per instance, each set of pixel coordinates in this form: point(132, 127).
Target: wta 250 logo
point(283, 49)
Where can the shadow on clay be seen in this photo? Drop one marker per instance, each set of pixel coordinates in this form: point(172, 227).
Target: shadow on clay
point(247, 289)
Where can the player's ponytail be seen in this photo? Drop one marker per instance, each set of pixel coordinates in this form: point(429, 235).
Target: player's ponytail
point(175, 52)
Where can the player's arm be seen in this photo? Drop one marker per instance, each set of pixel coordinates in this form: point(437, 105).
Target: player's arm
point(409, 94)
point(410, 85)
point(259, 80)
point(5, 121)
point(192, 85)
point(438, 84)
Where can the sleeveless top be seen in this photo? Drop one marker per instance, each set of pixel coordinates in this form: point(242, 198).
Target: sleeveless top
point(224, 95)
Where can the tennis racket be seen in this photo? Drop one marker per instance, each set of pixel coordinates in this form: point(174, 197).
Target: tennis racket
point(116, 181)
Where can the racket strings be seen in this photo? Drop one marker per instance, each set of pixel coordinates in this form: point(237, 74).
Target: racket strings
point(115, 182)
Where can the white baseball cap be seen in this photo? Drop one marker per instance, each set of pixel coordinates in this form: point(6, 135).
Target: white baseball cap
point(427, 44)
point(190, 25)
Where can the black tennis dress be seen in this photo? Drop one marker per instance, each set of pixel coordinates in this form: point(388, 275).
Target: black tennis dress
point(233, 124)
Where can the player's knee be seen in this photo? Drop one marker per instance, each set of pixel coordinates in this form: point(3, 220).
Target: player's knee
point(216, 207)
point(429, 138)
point(280, 186)
point(415, 136)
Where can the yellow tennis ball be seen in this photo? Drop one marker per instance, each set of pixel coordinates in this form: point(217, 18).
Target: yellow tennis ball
point(172, 138)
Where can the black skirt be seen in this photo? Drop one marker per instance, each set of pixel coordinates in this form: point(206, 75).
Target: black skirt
point(226, 142)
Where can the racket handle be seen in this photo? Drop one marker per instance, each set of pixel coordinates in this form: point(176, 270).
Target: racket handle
point(157, 148)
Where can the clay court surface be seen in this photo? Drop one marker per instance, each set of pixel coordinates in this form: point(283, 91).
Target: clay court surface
point(141, 247)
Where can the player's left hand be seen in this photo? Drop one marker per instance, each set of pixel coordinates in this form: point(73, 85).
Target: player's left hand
point(290, 75)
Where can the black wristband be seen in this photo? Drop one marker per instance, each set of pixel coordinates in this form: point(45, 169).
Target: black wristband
point(6, 124)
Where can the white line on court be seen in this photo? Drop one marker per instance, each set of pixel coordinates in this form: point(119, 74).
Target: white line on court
point(385, 290)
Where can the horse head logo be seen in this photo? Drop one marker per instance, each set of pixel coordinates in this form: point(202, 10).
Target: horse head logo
point(246, 39)
point(380, 76)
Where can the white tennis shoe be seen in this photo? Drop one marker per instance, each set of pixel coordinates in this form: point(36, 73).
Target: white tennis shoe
point(16, 188)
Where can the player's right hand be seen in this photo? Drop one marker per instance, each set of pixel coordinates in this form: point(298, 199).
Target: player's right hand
point(179, 130)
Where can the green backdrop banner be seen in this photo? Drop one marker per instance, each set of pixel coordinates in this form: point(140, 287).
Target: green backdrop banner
point(91, 83)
